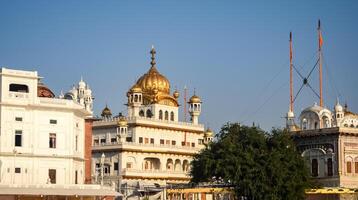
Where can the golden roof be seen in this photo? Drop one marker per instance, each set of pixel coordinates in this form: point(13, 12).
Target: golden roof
point(176, 94)
point(208, 133)
point(106, 112)
point(136, 89)
point(155, 86)
point(153, 82)
point(195, 99)
point(122, 121)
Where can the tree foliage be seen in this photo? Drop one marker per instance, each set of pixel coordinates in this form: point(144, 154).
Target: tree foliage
point(257, 164)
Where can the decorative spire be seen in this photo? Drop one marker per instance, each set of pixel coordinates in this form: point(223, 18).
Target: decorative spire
point(153, 52)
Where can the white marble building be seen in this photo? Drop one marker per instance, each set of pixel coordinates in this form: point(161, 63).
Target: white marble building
point(150, 145)
point(42, 137)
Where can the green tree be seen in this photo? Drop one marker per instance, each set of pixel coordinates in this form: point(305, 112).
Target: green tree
point(257, 164)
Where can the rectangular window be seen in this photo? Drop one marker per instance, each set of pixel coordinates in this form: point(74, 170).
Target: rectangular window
point(76, 177)
point(200, 141)
point(146, 140)
point(349, 167)
point(76, 142)
point(182, 143)
point(52, 140)
point(129, 165)
point(116, 167)
point(162, 141)
point(152, 140)
point(96, 141)
point(192, 144)
point(140, 140)
point(53, 121)
point(188, 144)
point(103, 140)
point(17, 170)
point(113, 140)
point(167, 142)
point(18, 119)
point(173, 142)
point(52, 175)
point(18, 138)
point(128, 139)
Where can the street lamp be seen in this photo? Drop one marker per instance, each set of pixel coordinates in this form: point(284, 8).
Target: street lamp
point(102, 167)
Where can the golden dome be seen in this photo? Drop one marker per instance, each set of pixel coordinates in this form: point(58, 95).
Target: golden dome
point(136, 89)
point(106, 112)
point(195, 99)
point(176, 94)
point(122, 121)
point(153, 82)
point(208, 133)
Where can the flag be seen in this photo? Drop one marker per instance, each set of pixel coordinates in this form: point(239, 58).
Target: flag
point(320, 40)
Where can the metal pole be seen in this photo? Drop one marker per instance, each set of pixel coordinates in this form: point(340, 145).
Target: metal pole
point(102, 168)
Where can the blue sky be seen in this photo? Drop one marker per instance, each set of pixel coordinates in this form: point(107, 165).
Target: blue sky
point(235, 53)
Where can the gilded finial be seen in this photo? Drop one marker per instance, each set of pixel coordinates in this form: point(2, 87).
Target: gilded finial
point(153, 52)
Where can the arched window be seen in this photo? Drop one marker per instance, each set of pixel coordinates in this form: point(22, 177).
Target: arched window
point(314, 167)
point(315, 125)
point(18, 88)
point(329, 167)
point(140, 98)
point(149, 113)
point(141, 113)
point(195, 107)
point(160, 114)
point(166, 116)
point(304, 124)
point(172, 116)
point(349, 167)
point(135, 98)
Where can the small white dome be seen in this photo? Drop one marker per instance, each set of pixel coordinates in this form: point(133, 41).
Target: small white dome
point(81, 84)
point(338, 107)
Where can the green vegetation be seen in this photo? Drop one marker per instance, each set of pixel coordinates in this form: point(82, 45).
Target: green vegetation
point(258, 164)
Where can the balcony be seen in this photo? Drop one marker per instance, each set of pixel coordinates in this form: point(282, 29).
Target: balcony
point(152, 122)
point(164, 174)
point(146, 147)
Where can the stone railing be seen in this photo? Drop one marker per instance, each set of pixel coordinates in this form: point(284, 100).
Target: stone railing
point(146, 145)
point(134, 119)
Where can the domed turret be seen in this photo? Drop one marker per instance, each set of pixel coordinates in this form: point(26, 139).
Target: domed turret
point(81, 84)
point(176, 94)
point(122, 121)
point(122, 128)
point(106, 113)
point(195, 108)
point(195, 99)
point(208, 136)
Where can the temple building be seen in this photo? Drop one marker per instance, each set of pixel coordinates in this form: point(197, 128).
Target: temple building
point(149, 147)
point(326, 138)
point(43, 148)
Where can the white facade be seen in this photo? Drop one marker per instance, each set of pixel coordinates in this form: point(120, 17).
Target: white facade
point(41, 138)
point(149, 146)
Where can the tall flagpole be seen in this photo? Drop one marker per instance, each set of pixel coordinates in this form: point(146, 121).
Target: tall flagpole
point(291, 77)
point(185, 102)
point(320, 42)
